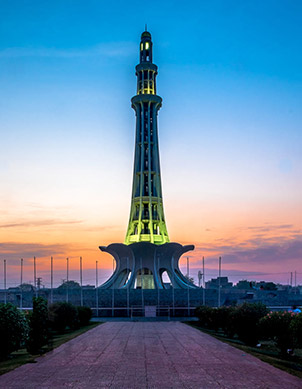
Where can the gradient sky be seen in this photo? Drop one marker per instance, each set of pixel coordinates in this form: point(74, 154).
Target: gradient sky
point(230, 75)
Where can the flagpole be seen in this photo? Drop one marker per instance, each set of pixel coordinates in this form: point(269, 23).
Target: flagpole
point(219, 283)
point(51, 280)
point(35, 277)
point(81, 280)
point(21, 287)
point(4, 274)
point(96, 288)
point(67, 278)
point(204, 284)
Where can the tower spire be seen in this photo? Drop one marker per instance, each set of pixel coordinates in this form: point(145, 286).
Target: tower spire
point(147, 221)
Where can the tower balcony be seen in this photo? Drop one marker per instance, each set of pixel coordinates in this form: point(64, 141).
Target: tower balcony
point(145, 66)
point(145, 237)
point(146, 98)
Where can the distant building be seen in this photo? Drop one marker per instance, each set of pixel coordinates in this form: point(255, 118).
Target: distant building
point(245, 284)
point(263, 285)
point(214, 283)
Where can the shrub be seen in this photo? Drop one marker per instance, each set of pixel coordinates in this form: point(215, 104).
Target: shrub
point(62, 315)
point(276, 326)
point(245, 319)
point(296, 329)
point(13, 329)
point(215, 318)
point(226, 320)
point(38, 326)
point(84, 314)
point(204, 315)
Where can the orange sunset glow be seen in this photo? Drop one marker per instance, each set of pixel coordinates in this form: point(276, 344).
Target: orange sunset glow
point(229, 139)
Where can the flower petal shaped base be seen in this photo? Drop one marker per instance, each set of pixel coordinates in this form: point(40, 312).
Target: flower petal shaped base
point(142, 265)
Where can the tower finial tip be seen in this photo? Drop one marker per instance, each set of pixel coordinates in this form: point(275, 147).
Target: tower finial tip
point(146, 27)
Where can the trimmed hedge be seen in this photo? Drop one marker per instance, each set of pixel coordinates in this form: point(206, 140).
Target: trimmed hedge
point(13, 329)
point(32, 330)
point(62, 315)
point(84, 315)
point(284, 328)
point(252, 322)
point(296, 329)
point(241, 320)
point(246, 318)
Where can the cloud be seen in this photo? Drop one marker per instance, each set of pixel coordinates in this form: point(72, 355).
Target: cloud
point(109, 50)
point(15, 250)
point(39, 223)
point(278, 252)
point(267, 228)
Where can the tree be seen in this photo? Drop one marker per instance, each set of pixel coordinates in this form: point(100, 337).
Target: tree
point(13, 329)
point(26, 287)
point(269, 286)
point(38, 326)
point(190, 279)
point(69, 284)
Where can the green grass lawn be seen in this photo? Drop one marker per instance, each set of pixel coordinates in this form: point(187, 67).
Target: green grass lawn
point(21, 356)
point(268, 352)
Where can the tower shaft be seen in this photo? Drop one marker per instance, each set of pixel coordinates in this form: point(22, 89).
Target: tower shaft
point(147, 221)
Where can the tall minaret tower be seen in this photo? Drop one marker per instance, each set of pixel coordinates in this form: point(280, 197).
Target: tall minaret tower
point(147, 220)
point(147, 253)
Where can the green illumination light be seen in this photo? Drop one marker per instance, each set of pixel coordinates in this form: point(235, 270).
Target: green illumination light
point(147, 221)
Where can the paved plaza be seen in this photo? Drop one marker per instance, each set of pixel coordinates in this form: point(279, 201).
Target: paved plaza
point(147, 355)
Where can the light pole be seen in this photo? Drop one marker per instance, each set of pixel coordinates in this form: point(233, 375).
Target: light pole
point(21, 282)
point(96, 288)
point(188, 269)
point(173, 297)
point(67, 279)
point(127, 286)
point(81, 280)
point(142, 284)
point(204, 284)
point(51, 280)
point(113, 289)
point(219, 283)
point(35, 277)
point(4, 274)
point(158, 280)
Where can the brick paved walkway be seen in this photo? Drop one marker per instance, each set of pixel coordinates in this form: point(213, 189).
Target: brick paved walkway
point(147, 355)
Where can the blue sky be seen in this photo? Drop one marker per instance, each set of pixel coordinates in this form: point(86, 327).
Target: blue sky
point(230, 74)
